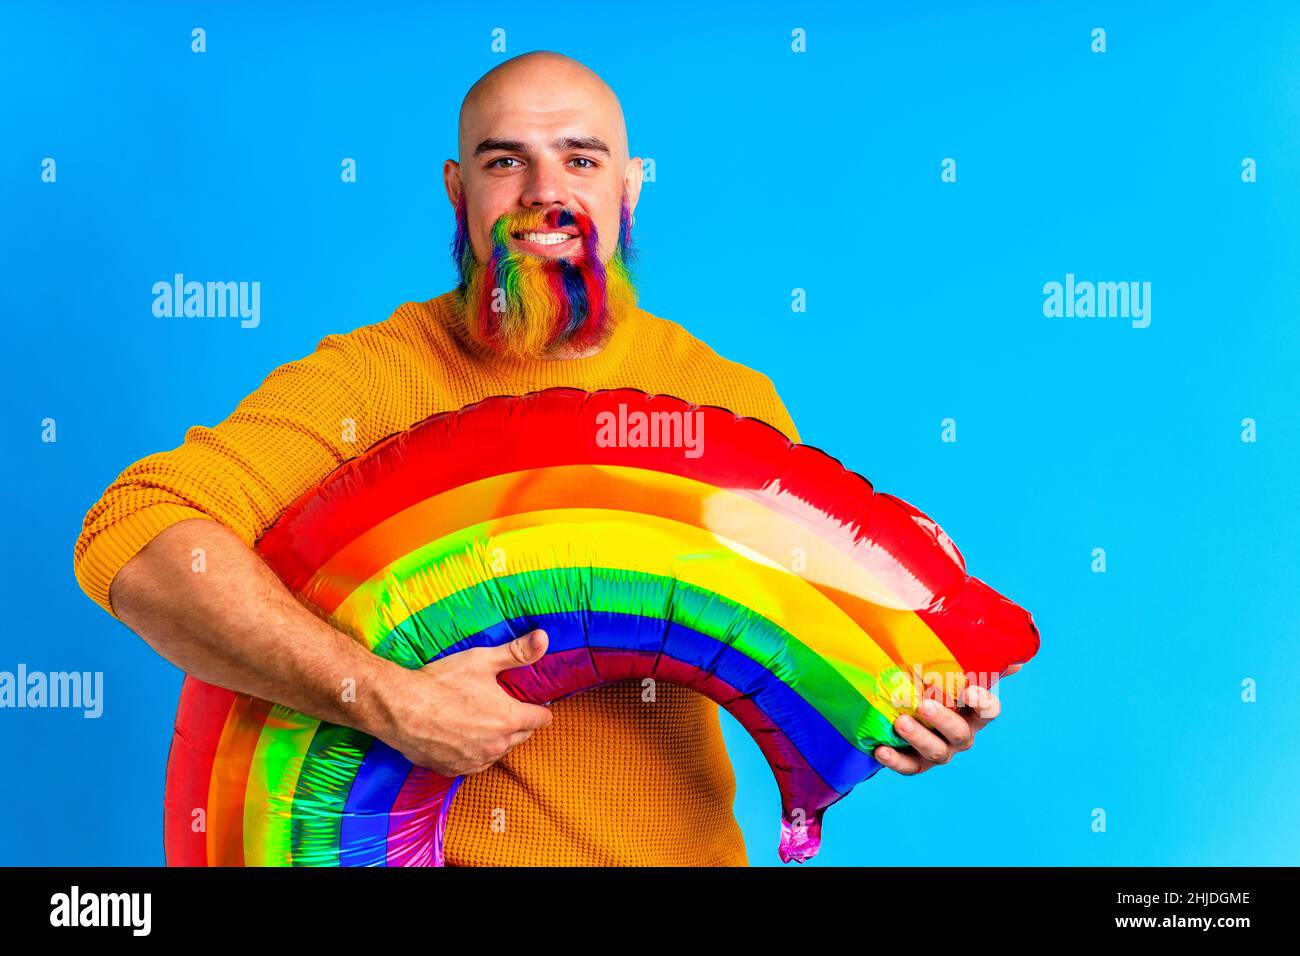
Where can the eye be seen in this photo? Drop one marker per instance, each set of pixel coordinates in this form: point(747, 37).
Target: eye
point(501, 159)
point(584, 159)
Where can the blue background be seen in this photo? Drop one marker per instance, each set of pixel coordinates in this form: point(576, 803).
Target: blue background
point(775, 171)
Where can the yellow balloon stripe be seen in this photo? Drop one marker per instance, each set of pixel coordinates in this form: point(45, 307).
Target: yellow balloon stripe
point(589, 537)
point(749, 528)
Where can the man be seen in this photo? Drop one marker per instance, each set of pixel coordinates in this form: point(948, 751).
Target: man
point(544, 194)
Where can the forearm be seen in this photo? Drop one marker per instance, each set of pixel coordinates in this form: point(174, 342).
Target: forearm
point(236, 625)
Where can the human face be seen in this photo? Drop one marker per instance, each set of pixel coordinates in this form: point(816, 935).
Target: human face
point(541, 138)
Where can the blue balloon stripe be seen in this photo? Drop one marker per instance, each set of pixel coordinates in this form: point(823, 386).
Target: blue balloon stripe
point(827, 752)
point(835, 759)
point(364, 833)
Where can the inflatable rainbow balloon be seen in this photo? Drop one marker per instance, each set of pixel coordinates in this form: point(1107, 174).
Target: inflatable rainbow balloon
point(650, 538)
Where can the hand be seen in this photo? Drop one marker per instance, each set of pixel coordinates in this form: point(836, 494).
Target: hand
point(452, 716)
point(955, 731)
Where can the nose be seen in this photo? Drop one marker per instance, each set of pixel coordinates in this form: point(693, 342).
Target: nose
point(545, 186)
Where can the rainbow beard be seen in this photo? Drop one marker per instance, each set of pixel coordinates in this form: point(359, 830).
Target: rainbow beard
point(522, 305)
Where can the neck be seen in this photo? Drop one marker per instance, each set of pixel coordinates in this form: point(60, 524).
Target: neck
point(566, 350)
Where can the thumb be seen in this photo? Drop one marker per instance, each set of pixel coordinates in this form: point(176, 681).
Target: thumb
point(522, 651)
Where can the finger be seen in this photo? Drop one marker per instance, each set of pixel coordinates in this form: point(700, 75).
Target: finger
point(984, 706)
point(517, 738)
point(527, 730)
point(926, 743)
point(521, 736)
point(529, 717)
point(520, 652)
point(906, 764)
point(954, 727)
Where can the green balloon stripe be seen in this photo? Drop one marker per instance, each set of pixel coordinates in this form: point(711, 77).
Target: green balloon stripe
point(432, 630)
point(459, 560)
point(279, 747)
point(329, 768)
point(335, 755)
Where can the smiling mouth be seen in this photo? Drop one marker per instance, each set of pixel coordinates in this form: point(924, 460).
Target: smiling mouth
point(544, 237)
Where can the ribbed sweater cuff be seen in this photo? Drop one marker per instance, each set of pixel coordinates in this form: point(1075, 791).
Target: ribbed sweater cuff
point(117, 544)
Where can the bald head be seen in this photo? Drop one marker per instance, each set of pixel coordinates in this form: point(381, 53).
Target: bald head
point(541, 82)
point(542, 132)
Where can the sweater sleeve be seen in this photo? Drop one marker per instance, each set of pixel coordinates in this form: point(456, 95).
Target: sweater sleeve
point(776, 413)
point(307, 417)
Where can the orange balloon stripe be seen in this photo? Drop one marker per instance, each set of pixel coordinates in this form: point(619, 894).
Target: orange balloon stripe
point(230, 770)
point(615, 488)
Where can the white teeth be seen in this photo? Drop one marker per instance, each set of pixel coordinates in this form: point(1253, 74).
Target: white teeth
point(547, 238)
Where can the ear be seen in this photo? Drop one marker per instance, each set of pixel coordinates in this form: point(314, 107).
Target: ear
point(632, 182)
point(452, 182)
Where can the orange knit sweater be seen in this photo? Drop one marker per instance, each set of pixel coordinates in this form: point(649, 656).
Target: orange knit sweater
point(612, 780)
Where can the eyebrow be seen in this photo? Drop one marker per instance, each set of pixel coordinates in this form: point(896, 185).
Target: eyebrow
point(591, 143)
